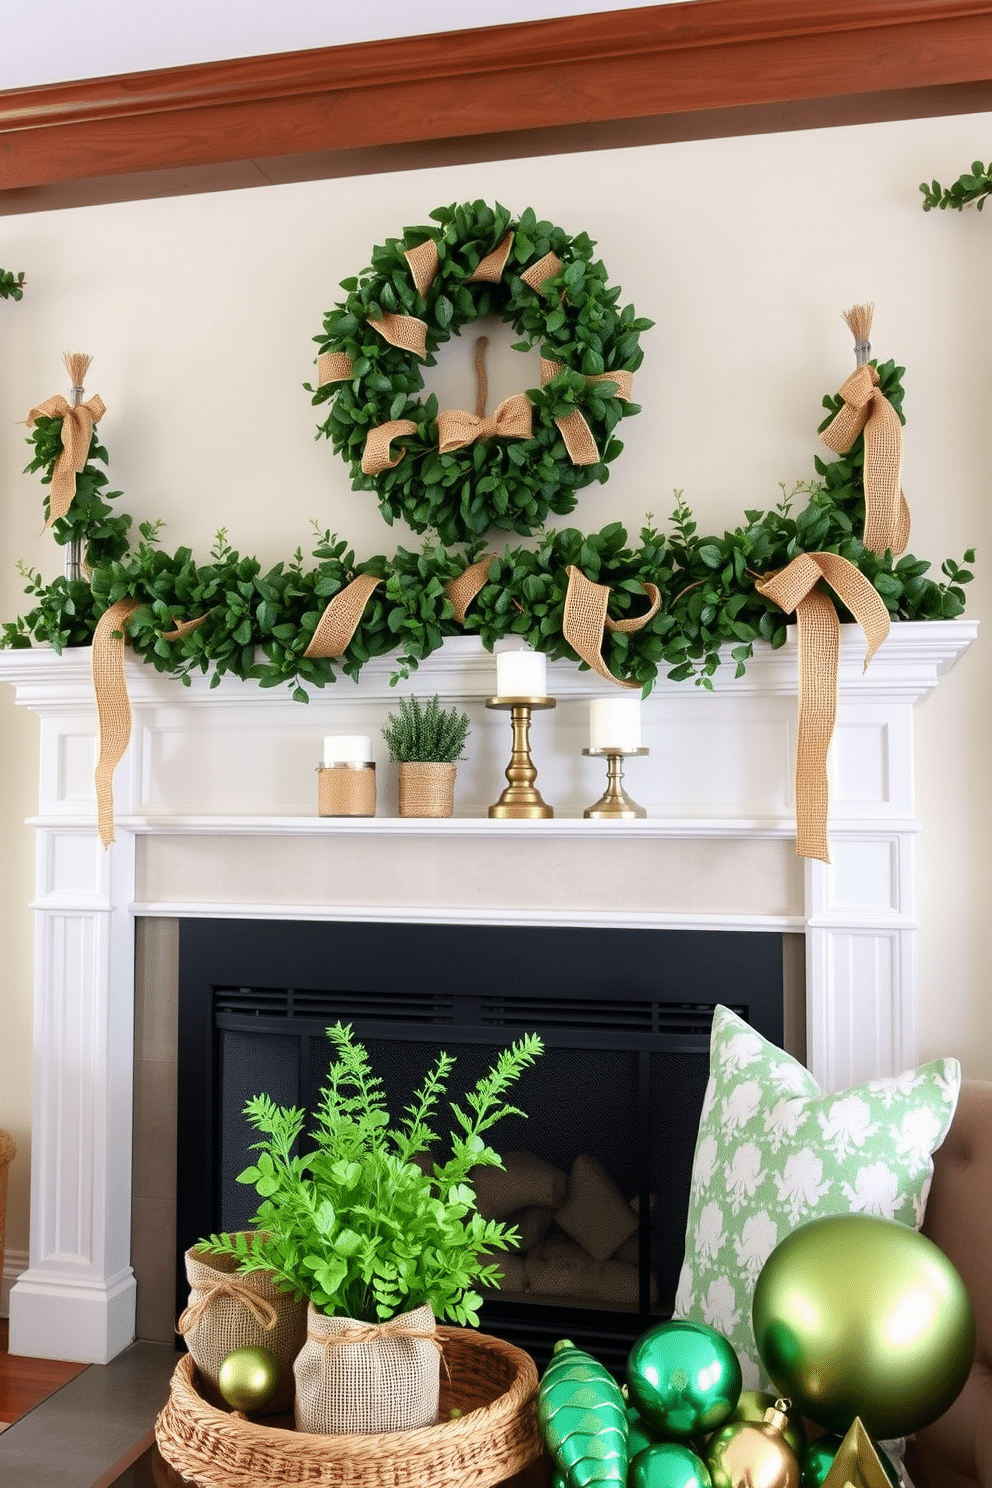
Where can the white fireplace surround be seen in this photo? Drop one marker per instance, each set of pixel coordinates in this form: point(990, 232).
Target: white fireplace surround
point(216, 815)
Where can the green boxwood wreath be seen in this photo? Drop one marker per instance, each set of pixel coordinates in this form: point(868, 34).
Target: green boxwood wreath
point(573, 319)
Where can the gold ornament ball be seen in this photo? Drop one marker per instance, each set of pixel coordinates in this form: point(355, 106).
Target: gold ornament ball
point(248, 1378)
point(753, 1454)
point(752, 1406)
point(860, 1316)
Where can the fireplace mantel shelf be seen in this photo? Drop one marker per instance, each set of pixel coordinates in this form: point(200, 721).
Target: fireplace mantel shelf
point(216, 816)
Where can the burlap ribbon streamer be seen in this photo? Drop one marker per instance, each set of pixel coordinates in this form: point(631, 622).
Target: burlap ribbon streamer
point(539, 273)
point(470, 582)
point(229, 1310)
point(796, 588)
point(403, 331)
point(377, 455)
point(585, 618)
point(333, 366)
point(490, 268)
point(113, 708)
point(339, 621)
point(576, 433)
point(387, 1379)
point(457, 428)
point(77, 431)
point(867, 410)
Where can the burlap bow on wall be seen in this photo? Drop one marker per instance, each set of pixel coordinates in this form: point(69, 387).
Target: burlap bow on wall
point(867, 410)
point(797, 588)
point(77, 431)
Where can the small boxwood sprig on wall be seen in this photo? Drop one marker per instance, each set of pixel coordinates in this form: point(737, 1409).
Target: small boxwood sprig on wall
point(11, 285)
point(969, 189)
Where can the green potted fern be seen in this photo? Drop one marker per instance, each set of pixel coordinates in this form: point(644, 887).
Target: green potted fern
point(378, 1235)
point(426, 741)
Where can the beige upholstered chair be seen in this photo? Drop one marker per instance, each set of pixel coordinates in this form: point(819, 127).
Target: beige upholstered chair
point(956, 1451)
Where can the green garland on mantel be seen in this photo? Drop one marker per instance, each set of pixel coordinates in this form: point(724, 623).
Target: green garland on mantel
point(260, 623)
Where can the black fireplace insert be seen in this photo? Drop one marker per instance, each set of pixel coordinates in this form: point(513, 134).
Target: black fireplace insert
point(612, 1105)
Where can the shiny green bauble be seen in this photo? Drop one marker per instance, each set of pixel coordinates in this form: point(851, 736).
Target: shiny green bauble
point(752, 1406)
point(639, 1433)
point(818, 1459)
point(248, 1378)
point(684, 1378)
point(668, 1465)
point(860, 1316)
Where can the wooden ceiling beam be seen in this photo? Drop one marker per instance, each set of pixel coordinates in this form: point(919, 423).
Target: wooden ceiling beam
point(680, 71)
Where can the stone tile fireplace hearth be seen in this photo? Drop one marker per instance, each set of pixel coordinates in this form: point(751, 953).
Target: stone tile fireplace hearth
point(216, 819)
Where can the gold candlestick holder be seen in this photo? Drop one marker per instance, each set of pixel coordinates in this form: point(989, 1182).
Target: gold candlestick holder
point(521, 798)
point(614, 803)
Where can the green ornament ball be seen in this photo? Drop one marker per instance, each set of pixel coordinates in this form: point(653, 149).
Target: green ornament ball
point(684, 1378)
point(248, 1378)
point(751, 1406)
point(860, 1316)
point(668, 1465)
point(639, 1433)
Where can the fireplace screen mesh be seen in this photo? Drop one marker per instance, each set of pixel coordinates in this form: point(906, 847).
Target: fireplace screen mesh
point(596, 1177)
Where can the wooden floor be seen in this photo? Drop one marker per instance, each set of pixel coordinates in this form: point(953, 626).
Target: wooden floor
point(25, 1383)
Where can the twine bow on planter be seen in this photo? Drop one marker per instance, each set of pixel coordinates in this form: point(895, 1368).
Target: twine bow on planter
point(355, 1376)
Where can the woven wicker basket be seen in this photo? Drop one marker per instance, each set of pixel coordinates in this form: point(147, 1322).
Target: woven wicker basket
point(492, 1383)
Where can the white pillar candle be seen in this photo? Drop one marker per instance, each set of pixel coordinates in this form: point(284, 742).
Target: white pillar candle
point(347, 749)
point(615, 723)
point(521, 674)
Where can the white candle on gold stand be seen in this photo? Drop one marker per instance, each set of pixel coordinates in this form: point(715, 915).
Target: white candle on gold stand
point(615, 723)
point(347, 749)
point(521, 674)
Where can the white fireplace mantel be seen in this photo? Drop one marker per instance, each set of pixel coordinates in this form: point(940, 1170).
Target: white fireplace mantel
point(216, 815)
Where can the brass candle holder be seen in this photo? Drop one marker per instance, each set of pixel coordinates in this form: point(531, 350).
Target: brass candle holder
point(521, 798)
point(614, 803)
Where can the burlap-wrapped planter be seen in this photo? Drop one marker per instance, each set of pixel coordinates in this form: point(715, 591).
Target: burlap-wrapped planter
point(427, 788)
point(354, 1376)
point(491, 1383)
point(7, 1154)
point(229, 1310)
point(346, 790)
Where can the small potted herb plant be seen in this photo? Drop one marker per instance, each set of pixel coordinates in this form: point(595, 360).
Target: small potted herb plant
point(426, 740)
point(380, 1238)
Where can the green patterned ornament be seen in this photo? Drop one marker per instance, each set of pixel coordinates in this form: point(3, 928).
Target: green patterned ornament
point(582, 1420)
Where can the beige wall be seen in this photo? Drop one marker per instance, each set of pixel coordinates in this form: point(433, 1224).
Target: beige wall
point(200, 312)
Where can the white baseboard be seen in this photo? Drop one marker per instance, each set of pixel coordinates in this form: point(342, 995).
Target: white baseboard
point(14, 1262)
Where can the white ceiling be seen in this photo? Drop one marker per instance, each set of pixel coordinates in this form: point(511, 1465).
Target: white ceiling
point(59, 41)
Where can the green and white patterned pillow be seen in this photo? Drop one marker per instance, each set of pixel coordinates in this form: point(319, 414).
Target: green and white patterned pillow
point(774, 1152)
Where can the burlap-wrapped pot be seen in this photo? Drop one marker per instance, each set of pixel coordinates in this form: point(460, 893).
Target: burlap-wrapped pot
point(354, 1376)
point(7, 1154)
point(229, 1310)
point(427, 788)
